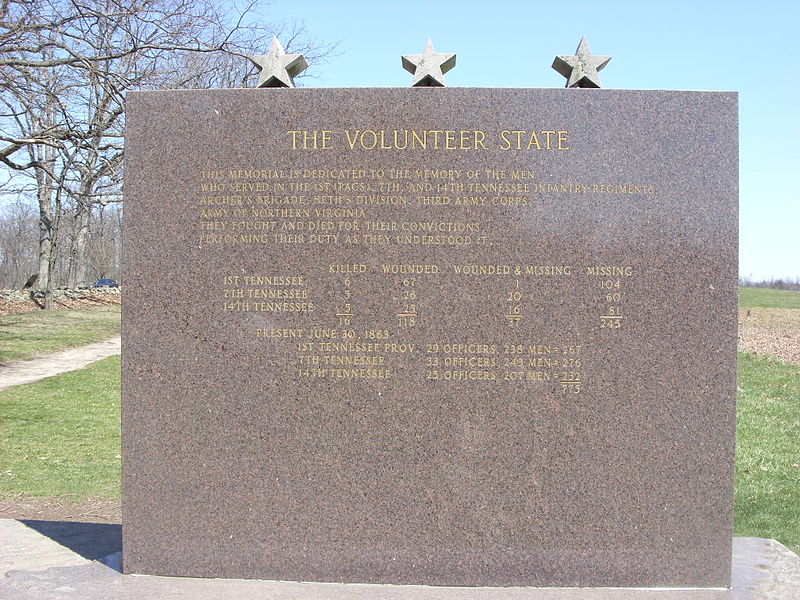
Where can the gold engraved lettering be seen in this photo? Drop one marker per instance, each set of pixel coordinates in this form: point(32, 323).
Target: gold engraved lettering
point(604, 188)
point(360, 373)
point(548, 270)
point(522, 139)
point(280, 307)
point(347, 269)
point(409, 269)
point(279, 333)
point(609, 271)
point(410, 139)
point(311, 140)
point(482, 269)
point(278, 280)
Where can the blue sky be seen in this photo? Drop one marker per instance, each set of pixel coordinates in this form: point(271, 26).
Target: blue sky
point(749, 47)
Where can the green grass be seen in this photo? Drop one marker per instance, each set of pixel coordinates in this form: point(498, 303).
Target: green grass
point(61, 436)
point(768, 450)
point(26, 335)
point(766, 298)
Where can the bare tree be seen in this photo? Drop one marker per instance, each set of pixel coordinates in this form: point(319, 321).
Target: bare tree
point(33, 109)
point(65, 67)
point(18, 260)
point(103, 249)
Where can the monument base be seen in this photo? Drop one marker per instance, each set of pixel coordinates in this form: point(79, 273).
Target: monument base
point(34, 566)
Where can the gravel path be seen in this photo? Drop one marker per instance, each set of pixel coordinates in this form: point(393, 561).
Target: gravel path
point(19, 372)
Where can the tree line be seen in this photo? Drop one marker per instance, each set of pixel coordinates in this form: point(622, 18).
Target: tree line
point(788, 283)
point(65, 68)
point(19, 260)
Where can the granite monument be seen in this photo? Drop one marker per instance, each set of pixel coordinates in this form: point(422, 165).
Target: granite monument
point(431, 336)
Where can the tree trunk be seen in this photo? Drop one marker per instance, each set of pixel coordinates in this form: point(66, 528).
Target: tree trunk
point(45, 259)
point(46, 229)
point(77, 268)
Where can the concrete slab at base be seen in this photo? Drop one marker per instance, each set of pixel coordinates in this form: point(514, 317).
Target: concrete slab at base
point(35, 567)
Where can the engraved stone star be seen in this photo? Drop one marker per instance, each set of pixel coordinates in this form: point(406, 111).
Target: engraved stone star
point(278, 69)
point(581, 69)
point(429, 67)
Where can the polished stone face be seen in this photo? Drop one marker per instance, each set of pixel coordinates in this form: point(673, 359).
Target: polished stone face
point(435, 336)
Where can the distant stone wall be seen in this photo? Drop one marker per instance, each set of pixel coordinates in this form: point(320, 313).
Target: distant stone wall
point(59, 293)
point(20, 301)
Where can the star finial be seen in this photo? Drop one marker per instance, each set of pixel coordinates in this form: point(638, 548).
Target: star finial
point(581, 69)
point(429, 67)
point(278, 69)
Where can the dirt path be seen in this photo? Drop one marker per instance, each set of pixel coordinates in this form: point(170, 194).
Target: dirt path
point(773, 331)
point(19, 372)
point(54, 508)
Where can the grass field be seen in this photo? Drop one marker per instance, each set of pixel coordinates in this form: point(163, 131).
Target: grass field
point(767, 298)
point(23, 336)
point(768, 450)
point(61, 436)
